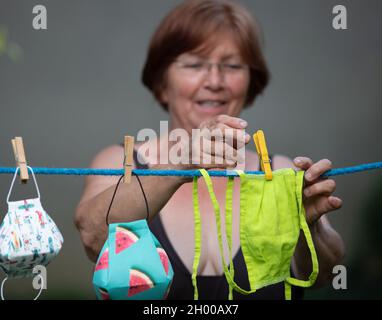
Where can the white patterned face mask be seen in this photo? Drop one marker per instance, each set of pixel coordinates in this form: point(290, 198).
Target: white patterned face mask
point(28, 237)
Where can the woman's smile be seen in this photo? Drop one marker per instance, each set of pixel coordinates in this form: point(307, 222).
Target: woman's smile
point(211, 106)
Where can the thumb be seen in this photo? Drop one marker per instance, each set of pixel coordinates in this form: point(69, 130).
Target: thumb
point(303, 163)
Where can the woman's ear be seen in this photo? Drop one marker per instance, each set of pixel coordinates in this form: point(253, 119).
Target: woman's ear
point(163, 96)
point(163, 91)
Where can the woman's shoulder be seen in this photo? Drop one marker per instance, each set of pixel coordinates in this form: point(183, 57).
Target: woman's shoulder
point(109, 157)
point(279, 161)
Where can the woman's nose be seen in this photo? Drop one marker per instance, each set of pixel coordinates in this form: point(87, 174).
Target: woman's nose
point(214, 78)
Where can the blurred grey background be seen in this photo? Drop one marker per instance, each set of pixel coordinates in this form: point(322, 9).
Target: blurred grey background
point(75, 88)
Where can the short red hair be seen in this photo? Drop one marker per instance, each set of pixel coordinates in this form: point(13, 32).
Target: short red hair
point(191, 26)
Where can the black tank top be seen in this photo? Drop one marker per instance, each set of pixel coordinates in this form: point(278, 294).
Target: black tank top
point(211, 287)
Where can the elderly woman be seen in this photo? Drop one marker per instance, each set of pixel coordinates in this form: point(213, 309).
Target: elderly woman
point(205, 65)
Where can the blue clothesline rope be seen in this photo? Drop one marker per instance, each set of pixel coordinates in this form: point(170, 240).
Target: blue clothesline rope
point(183, 173)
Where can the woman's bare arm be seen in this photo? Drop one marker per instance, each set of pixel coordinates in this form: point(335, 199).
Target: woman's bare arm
point(128, 204)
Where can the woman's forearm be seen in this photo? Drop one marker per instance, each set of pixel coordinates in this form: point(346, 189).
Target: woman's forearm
point(128, 205)
point(329, 248)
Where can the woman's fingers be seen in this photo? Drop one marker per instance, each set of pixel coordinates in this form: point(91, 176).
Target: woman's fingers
point(303, 163)
point(221, 141)
point(209, 161)
point(218, 152)
point(237, 138)
point(320, 206)
point(323, 187)
point(335, 202)
point(232, 122)
point(318, 199)
point(313, 171)
point(317, 169)
point(230, 126)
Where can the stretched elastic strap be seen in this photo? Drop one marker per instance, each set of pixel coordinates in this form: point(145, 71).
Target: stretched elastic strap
point(287, 290)
point(197, 236)
point(215, 203)
point(304, 226)
point(228, 224)
point(2, 287)
point(35, 298)
point(115, 192)
point(13, 182)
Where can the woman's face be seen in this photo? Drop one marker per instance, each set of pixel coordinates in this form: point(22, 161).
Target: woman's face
point(199, 87)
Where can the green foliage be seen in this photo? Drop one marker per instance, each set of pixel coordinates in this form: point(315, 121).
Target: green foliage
point(10, 49)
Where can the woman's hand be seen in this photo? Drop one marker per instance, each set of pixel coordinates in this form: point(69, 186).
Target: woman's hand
point(218, 143)
point(317, 193)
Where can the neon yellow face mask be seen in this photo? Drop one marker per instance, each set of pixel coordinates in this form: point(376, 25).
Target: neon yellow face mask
point(271, 216)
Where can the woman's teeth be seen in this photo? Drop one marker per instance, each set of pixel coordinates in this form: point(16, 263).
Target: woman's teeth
point(211, 103)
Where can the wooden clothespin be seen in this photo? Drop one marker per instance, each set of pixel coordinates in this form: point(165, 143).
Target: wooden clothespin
point(128, 162)
point(21, 162)
point(262, 151)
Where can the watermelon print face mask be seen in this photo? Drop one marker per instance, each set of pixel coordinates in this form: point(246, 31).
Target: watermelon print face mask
point(132, 264)
point(28, 237)
point(271, 217)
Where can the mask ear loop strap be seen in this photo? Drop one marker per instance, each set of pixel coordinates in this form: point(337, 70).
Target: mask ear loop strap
point(197, 236)
point(112, 200)
point(13, 182)
point(228, 223)
point(2, 286)
point(115, 192)
point(215, 203)
point(35, 298)
point(308, 237)
point(41, 287)
point(197, 231)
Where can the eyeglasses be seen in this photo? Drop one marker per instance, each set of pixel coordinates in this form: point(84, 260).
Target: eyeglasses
point(202, 67)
